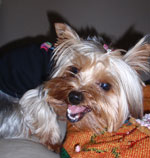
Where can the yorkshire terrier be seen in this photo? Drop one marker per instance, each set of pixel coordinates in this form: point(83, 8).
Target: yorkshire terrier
point(92, 86)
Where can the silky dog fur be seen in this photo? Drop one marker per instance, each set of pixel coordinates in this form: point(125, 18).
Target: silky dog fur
point(92, 87)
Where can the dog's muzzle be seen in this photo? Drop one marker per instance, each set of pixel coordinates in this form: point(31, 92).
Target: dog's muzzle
point(76, 112)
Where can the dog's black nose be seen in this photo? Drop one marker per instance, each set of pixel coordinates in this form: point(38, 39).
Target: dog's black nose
point(75, 97)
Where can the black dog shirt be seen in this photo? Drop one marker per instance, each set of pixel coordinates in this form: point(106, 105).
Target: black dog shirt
point(25, 68)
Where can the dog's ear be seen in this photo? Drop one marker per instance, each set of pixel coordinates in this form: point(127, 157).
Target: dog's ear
point(64, 31)
point(138, 56)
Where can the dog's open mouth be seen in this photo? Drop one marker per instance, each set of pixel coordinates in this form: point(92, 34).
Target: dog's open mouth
point(75, 113)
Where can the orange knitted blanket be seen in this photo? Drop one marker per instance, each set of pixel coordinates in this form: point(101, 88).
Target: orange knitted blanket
point(131, 140)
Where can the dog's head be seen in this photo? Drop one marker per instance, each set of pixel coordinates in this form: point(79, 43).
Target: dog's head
point(100, 88)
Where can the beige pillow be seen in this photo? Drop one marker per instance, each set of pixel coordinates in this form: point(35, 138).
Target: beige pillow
point(18, 148)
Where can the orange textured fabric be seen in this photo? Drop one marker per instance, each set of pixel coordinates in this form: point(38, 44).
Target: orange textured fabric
point(131, 140)
point(146, 91)
point(146, 100)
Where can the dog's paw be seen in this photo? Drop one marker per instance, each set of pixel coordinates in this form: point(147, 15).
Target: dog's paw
point(53, 147)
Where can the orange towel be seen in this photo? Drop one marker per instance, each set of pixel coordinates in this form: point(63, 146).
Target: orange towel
point(131, 140)
point(146, 91)
point(146, 100)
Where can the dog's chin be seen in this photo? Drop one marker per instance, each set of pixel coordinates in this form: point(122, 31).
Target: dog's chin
point(75, 113)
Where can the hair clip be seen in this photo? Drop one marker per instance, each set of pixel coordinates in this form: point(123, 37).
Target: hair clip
point(46, 46)
point(105, 46)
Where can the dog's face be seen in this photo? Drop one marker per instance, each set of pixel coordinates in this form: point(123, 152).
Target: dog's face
point(94, 88)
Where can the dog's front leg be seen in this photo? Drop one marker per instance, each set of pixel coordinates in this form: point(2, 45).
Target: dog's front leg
point(48, 130)
point(40, 118)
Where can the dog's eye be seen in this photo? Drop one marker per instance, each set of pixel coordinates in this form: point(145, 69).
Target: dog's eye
point(74, 69)
point(105, 86)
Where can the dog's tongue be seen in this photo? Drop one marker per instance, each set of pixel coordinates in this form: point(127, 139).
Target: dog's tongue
point(76, 109)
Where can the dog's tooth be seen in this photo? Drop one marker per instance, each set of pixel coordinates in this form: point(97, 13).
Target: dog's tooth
point(69, 111)
point(71, 117)
point(76, 117)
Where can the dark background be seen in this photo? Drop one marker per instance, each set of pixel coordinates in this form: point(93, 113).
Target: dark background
point(23, 18)
point(122, 22)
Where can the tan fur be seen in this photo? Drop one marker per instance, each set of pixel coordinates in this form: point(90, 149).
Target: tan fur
point(39, 117)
